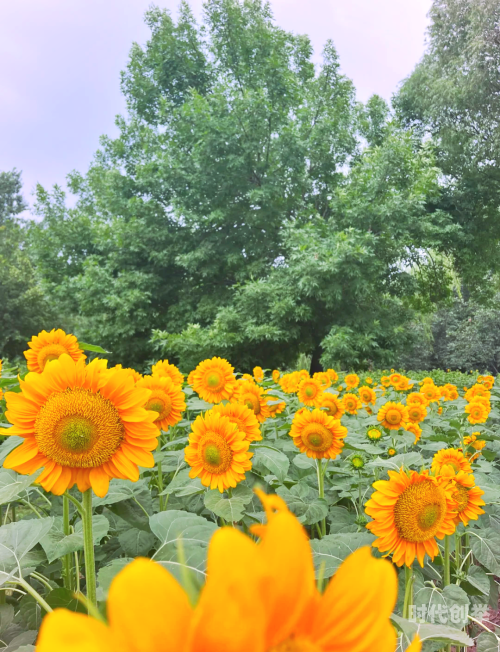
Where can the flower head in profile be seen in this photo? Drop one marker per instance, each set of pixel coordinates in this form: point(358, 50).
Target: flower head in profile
point(214, 380)
point(166, 398)
point(276, 375)
point(467, 496)
point(217, 452)
point(249, 394)
point(290, 382)
point(83, 424)
point(409, 511)
point(332, 375)
point(258, 374)
point(332, 405)
point(164, 368)
point(317, 435)
point(45, 347)
point(259, 597)
point(450, 457)
point(415, 429)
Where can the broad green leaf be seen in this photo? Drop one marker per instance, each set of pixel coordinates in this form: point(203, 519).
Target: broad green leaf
point(485, 545)
point(56, 544)
point(432, 632)
point(230, 509)
point(16, 540)
point(65, 599)
point(183, 485)
point(198, 404)
point(448, 607)
point(195, 533)
point(92, 347)
point(341, 520)
point(395, 463)
point(303, 501)
point(273, 460)
point(13, 441)
point(487, 642)
point(330, 551)
point(478, 578)
point(12, 484)
point(136, 543)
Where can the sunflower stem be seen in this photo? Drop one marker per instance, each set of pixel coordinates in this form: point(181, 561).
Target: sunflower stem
point(408, 599)
point(446, 561)
point(160, 487)
point(88, 540)
point(67, 565)
point(321, 489)
point(34, 594)
point(458, 553)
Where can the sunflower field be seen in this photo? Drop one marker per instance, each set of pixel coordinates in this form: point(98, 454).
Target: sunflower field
point(271, 512)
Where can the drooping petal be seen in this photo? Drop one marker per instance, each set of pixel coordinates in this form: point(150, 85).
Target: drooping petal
point(64, 631)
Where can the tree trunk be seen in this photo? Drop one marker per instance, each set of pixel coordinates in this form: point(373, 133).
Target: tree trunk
point(315, 361)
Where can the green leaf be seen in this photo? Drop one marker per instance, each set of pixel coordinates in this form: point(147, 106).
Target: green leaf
point(303, 501)
point(478, 578)
point(341, 520)
point(430, 632)
point(396, 462)
point(448, 607)
point(194, 531)
point(330, 551)
point(106, 574)
point(183, 485)
point(273, 460)
point(92, 347)
point(230, 509)
point(12, 484)
point(136, 543)
point(63, 598)
point(198, 404)
point(12, 441)
point(56, 544)
point(487, 642)
point(16, 540)
point(485, 546)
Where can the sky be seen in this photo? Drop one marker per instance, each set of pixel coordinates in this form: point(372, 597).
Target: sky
point(60, 63)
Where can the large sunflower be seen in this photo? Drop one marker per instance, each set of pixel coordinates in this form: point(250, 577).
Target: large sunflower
point(49, 346)
point(310, 392)
point(323, 379)
point(217, 452)
point(332, 405)
point(409, 512)
point(243, 417)
point(367, 395)
point(452, 457)
point(416, 398)
point(351, 403)
point(477, 411)
point(289, 383)
point(431, 392)
point(477, 390)
point(84, 424)
point(317, 435)
point(332, 375)
point(166, 398)
point(466, 495)
point(254, 397)
point(260, 597)
point(351, 380)
point(416, 413)
point(214, 380)
point(393, 416)
point(164, 368)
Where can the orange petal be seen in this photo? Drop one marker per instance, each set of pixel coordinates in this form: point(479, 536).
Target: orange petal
point(99, 481)
point(22, 454)
point(64, 631)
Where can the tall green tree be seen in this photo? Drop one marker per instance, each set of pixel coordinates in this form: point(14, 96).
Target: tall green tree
point(454, 96)
point(232, 135)
point(24, 310)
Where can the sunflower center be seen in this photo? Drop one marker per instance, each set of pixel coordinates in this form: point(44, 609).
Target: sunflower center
point(79, 429)
point(393, 417)
point(420, 511)
point(461, 495)
point(214, 380)
point(252, 403)
point(317, 437)
point(159, 402)
point(216, 454)
point(309, 391)
point(295, 645)
point(48, 353)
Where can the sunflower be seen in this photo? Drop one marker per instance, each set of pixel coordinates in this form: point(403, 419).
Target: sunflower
point(395, 378)
point(367, 395)
point(166, 398)
point(477, 411)
point(415, 429)
point(391, 452)
point(217, 451)
point(393, 416)
point(323, 378)
point(431, 392)
point(357, 461)
point(452, 457)
point(351, 403)
point(243, 417)
point(385, 381)
point(254, 397)
point(452, 392)
point(332, 375)
point(84, 424)
point(214, 380)
point(275, 405)
point(332, 405)
point(472, 440)
point(409, 511)
point(310, 392)
point(317, 435)
point(416, 398)
point(374, 434)
point(403, 385)
point(369, 380)
point(276, 375)
point(477, 390)
point(303, 374)
point(165, 368)
point(257, 597)
point(45, 347)
point(416, 413)
point(466, 495)
point(289, 383)
point(258, 374)
point(351, 381)
point(135, 375)
point(487, 384)
point(427, 381)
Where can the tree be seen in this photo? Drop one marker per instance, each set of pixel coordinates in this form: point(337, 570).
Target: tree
point(23, 308)
point(454, 96)
point(232, 136)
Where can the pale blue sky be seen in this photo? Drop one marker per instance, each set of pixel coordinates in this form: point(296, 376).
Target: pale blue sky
point(60, 62)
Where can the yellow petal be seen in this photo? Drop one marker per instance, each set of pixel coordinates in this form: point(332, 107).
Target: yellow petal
point(64, 631)
point(148, 610)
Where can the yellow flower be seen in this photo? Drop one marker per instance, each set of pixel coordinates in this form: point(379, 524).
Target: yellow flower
point(323, 378)
point(135, 375)
point(290, 382)
point(317, 435)
point(310, 392)
point(386, 381)
point(367, 395)
point(217, 452)
point(83, 424)
point(374, 434)
point(254, 397)
point(166, 398)
point(214, 380)
point(45, 347)
point(351, 403)
point(452, 393)
point(260, 597)
point(450, 457)
point(416, 413)
point(332, 405)
point(276, 406)
point(333, 375)
point(351, 381)
point(276, 375)
point(369, 380)
point(258, 374)
point(391, 452)
point(475, 391)
point(415, 429)
point(393, 415)
point(477, 411)
point(431, 392)
point(303, 374)
point(409, 511)
point(466, 495)
point(416, 398)
point(243, 417)
point(165, 368)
